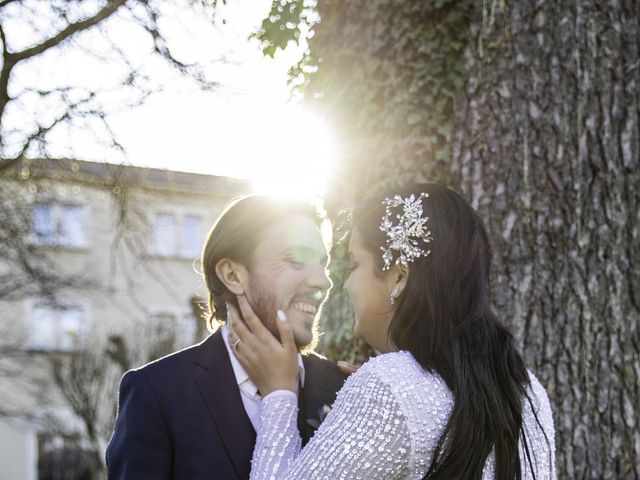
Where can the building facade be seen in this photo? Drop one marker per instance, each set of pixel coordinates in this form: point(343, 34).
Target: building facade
point(112, 252)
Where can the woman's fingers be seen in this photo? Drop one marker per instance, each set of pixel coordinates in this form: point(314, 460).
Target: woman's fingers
point(270, 364)
point(286, 331)
point(243, 347)
point(238, 330)
point(237, 326)
point(347, 368)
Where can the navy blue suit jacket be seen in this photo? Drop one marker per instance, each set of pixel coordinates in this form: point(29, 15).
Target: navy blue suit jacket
point(182, 417)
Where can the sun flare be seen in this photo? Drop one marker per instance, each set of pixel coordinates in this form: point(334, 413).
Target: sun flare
point(298, 161)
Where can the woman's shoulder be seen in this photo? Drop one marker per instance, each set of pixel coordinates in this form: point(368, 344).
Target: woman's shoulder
point(396, 366)
point(386, 367)
point(406, 379)
point(377, 377)
point(422, 400)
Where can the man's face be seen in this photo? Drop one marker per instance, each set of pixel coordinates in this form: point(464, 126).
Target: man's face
point(288, 273)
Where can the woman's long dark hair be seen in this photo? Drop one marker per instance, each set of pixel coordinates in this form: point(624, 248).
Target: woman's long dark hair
point(444, 318)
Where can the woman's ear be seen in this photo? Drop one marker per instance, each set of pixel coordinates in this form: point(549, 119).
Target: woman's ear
point(234, 275)
point(399, 274)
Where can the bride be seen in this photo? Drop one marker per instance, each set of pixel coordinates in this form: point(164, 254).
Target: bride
point(448, 397)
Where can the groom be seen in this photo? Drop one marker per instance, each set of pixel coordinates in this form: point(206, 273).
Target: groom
point(194, 414)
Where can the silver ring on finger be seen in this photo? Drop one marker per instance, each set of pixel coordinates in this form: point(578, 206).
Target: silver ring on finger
point(235, 345)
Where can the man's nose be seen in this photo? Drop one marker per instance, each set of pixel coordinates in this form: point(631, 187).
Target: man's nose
point(318, 278)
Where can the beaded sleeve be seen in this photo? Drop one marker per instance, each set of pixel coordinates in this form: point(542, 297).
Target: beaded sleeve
point(365, 435)
point(385, 424)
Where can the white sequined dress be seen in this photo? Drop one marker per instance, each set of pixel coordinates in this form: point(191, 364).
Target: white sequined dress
point(384, 424)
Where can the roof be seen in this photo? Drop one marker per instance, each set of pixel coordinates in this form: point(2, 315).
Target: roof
point(128, 175)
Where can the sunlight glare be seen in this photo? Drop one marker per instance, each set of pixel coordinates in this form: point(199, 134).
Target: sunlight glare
point(299, 158)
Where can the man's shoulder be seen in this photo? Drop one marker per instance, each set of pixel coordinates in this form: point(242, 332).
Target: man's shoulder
point(317, 360)
point(174, 362)
point(317, 365)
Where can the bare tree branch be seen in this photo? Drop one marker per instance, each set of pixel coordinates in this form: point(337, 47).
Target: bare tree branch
point(71, 29)
point(5, 73)
point(39, 133)
point(35, 110)
point(161, 48)
point(11, 59)
point(4, 40)
point(19, 138)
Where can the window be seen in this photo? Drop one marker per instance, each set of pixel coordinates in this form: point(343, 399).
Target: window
point(188, 329)
point(165, 238)
point(191, 237)
point(60, 225)
point(56, 328)
point(177, 235)
point(171, 331)
point(43, 224)
point(177, 328)
point(71, 226)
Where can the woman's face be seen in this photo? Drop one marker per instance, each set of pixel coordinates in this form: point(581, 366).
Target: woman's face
point(370, 295)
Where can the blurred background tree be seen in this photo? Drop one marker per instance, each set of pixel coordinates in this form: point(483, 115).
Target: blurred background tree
point(66, 68)
point(530, 109)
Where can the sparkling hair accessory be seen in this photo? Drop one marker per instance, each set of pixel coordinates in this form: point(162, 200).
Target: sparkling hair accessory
point(404, 236)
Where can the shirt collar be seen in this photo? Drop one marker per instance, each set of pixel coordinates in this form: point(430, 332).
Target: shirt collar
point(239, 372)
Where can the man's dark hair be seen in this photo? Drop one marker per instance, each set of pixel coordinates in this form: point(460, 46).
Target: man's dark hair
point(235, 236)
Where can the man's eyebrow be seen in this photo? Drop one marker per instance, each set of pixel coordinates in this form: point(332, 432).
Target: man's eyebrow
point(307, 251)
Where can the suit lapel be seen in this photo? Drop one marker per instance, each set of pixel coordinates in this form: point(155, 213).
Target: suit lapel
point(313, 398)
point(303, 426)
point(219, 389)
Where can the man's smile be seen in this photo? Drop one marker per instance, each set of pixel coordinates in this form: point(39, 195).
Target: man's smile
point(306, 307)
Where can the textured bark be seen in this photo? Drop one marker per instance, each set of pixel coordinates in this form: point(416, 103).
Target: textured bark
point(547, 148)
point(545, 145)
point(386, 77)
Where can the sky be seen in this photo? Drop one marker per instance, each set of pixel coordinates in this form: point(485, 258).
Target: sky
point(246, 126)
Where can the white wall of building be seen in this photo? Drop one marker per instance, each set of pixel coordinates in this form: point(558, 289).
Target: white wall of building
point(138, 287)
point(18, 451)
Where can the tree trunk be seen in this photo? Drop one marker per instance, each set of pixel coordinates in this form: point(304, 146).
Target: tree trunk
point(387, 75)
point(547, 148)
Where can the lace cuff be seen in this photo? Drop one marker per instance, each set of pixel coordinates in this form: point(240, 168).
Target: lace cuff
point(280, 442)
point(281, 395)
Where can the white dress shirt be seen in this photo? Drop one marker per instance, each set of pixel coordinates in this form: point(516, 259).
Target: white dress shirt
point(251, 399)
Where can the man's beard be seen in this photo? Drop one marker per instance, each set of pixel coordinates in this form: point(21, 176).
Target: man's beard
point(264, 306)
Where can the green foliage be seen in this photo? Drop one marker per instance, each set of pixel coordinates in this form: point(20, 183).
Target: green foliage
point(284, 24)
point(385, 75)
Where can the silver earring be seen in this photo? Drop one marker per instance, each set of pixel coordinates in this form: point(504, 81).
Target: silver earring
point(394, 294)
